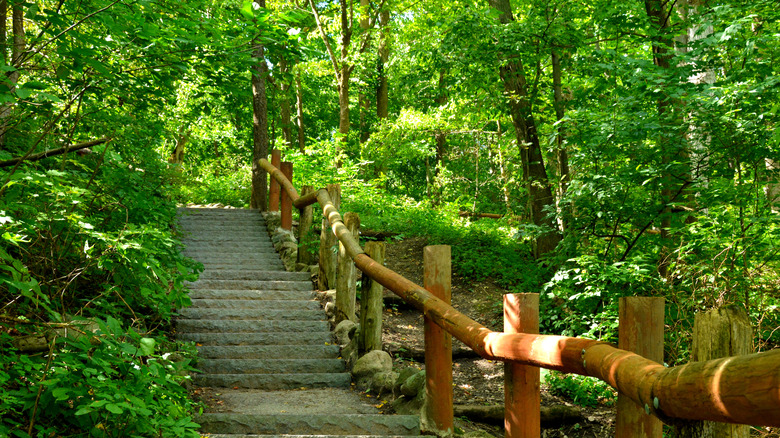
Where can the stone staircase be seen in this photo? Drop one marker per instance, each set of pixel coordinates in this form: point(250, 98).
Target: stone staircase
point(264, 342)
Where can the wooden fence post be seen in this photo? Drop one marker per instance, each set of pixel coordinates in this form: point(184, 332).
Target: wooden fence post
point(287, 171)
point(371, 303)
point(718, 333)
point(522, 398)
point(346, 282)
point(641, 330)
point(275, 188)
point(438, 344)
point(327, 276)
point(305, 241)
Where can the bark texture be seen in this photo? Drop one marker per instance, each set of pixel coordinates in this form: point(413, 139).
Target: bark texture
point(259, 125)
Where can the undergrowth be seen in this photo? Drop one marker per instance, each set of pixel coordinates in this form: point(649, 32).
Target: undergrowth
point(90, 277)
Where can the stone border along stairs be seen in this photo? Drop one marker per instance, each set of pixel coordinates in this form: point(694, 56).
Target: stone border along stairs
point(264, 342)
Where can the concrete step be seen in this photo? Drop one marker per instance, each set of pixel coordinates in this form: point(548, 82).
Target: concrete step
point(258, 339)
point(232, 246)
point(243, 326)
point(251, 285)
point(291, 305)
point(270, 366)
point(191, 210)
point(290, 424)
point(236, 261)
point(274, 381)
point(243, 294)
point(215, 254)
point(270, 263)
point(216, 237)
point(260, 351)
point(253, 314)
point(254, 274)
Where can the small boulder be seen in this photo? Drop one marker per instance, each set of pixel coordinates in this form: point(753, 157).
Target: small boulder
point(413, 385)
point(383, 383)
point(344, 331)
point(404, 375)
point(373, 362)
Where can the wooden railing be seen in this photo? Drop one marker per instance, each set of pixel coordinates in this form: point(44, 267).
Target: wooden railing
point(741, 389)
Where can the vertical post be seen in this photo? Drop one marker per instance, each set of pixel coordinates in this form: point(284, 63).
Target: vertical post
point(287, 171)
point(327, 276)
point(718, 333)
point(641, 330)
point(522, 398)
point(371, 303)
point(305, 218)
point(346, 282)
point(438, 344)
point(275, 188)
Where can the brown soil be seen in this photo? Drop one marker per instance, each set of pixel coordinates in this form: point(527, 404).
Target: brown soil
point(477, 381)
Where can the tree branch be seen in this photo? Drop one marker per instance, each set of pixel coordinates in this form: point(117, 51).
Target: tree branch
point(53, 152)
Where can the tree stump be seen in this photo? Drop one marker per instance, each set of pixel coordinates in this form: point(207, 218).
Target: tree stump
point(718, 333)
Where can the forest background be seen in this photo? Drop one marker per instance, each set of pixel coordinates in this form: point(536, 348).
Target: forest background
point(631, 148)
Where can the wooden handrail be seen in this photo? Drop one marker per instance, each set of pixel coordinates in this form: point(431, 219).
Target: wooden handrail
point(741, 389)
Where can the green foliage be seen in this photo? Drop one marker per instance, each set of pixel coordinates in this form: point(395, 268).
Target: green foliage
point(585, 391)
point(110, 383)
point(91, 242)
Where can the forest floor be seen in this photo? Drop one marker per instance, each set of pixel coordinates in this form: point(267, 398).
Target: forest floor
point(477, 381)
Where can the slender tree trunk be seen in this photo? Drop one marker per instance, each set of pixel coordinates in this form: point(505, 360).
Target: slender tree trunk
point(17, 21)
point(259, 195)
point(178, 152)
point(299, 105)
point(363, 97)
point(562, 155)
point(284, 104)
point(382, 89)
point(534, 172)
point(4, 30)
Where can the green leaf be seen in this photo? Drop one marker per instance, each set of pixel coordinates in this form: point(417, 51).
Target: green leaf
point(247, 10)
point(114, 409)
point(147, 346)
point(23, 93)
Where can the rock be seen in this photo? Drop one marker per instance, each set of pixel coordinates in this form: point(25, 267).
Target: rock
point(301, 267)
point(383, 383)
point(414, 384)
point(330, 309)
point(373, 362)
point(350, 354)
point(404, 375)
point(344, 331)
point(314, 269)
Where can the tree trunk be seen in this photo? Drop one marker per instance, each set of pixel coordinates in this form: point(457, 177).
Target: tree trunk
point(16, 53)
point(772, 189)
point(178, 152)
point(382, 89)
point(534, 172)
point(259, 125)
point(363, 97)
point(299, 105)
point(562, 155)
point(284, 104)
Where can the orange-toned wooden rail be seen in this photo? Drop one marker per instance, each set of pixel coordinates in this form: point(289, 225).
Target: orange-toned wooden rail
point(742, 389)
